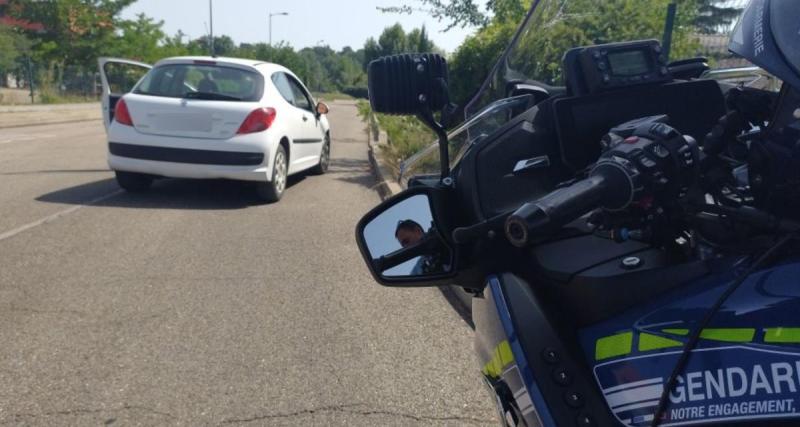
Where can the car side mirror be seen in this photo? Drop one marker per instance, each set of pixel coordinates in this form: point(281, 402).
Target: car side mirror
point(322, 108)
point(403, 244)
point(413, 84)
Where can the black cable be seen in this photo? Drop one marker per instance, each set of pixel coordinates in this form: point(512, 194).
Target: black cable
point(695, 335)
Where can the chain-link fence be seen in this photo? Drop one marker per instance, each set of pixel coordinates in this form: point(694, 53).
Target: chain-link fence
point(39, 83)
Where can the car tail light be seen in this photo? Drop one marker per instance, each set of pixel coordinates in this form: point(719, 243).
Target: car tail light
point(258, 120)
point(121, 113)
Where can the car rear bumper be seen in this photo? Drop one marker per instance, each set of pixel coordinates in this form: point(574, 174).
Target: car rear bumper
point(186, 155)
point(184, 169)
point(242, 157)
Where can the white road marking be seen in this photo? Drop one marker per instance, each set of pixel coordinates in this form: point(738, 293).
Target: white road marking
point(55, 216)
point(7, 139)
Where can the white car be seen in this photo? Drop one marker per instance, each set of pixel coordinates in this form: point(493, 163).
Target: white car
point(206, 117)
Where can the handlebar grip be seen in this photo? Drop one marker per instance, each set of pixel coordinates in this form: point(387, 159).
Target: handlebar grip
point(607, 186)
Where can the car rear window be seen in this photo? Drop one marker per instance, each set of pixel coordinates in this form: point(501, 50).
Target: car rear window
point(202, 81)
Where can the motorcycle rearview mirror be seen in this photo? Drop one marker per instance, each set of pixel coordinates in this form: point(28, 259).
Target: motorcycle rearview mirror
point(402, 243)
point(413, 84)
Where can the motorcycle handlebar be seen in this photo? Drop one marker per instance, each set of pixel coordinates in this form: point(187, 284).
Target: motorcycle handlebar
point(607, 186)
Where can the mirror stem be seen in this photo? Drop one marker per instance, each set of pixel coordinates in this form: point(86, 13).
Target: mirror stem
point(444, 152)
point(444, 156)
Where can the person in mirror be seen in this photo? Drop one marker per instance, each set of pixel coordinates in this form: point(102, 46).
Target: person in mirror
point(408, 233)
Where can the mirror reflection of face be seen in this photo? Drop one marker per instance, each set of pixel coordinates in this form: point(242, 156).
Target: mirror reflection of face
point(405, 225)
point(408, 233)
point(387, 233)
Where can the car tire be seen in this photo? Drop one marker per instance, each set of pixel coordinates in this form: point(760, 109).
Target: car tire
point(324, 157)
point(271, 191)
point(133, 182)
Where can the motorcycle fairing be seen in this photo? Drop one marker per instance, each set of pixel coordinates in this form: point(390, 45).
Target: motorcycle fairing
point(745, 368)
point(504, 366)
point(558, 385)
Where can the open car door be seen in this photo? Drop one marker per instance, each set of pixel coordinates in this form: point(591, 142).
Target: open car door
point(118, 76)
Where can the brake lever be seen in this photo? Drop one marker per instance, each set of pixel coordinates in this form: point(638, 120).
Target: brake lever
point(469, 234)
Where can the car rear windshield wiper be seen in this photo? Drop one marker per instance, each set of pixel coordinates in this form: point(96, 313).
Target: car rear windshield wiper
point(210, 95)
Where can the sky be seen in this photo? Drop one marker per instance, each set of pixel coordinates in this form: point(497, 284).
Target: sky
point(309, 23)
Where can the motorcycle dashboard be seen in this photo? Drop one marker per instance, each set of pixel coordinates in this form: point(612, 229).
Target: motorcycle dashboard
point(615, 66)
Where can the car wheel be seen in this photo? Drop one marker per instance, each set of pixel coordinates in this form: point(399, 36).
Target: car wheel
point(133, 182)
point(271, 191)
point(324, 157)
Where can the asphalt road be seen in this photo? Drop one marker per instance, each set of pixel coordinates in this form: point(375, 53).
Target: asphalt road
point(193, 304)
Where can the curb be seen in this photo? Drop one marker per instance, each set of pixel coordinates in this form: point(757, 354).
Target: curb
point(26, 125)
point(41, 108)
point(387, 185)
point(38, 115)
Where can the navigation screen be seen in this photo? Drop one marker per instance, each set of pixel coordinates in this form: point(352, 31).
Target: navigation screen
point(630, 63)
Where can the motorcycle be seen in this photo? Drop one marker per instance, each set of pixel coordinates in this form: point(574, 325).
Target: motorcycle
point(629, 237)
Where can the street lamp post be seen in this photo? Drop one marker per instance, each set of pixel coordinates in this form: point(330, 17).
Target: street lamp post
point(211, 24)
point(270, 23)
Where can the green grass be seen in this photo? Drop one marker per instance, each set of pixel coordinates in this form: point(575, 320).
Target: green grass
point(330, 96)
point(407, 135)
point(53, 98)
point(18, 98)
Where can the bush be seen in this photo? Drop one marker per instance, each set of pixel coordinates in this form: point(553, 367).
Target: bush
point(356, 92)
point(406, 134)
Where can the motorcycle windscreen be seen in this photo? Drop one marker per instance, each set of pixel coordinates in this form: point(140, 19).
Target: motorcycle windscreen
point(534, 56)
point(493, 88)
point(480, 126)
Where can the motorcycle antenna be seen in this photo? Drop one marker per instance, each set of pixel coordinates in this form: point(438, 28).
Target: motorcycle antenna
point(669, 28)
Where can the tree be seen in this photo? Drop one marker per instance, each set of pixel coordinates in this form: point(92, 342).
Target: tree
point(140, 39)
point(174, 46)
point(223, 46)
point(466, 13)
point(459, 13)
point(557, 27)
point(13, 46)
point(75, 31)
point(471, 63)
point(372, 51)
point(417, 41)
point(394, 40)
point(714, 16)
point(281, 53)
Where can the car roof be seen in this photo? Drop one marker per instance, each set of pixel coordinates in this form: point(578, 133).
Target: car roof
point(263, 66)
